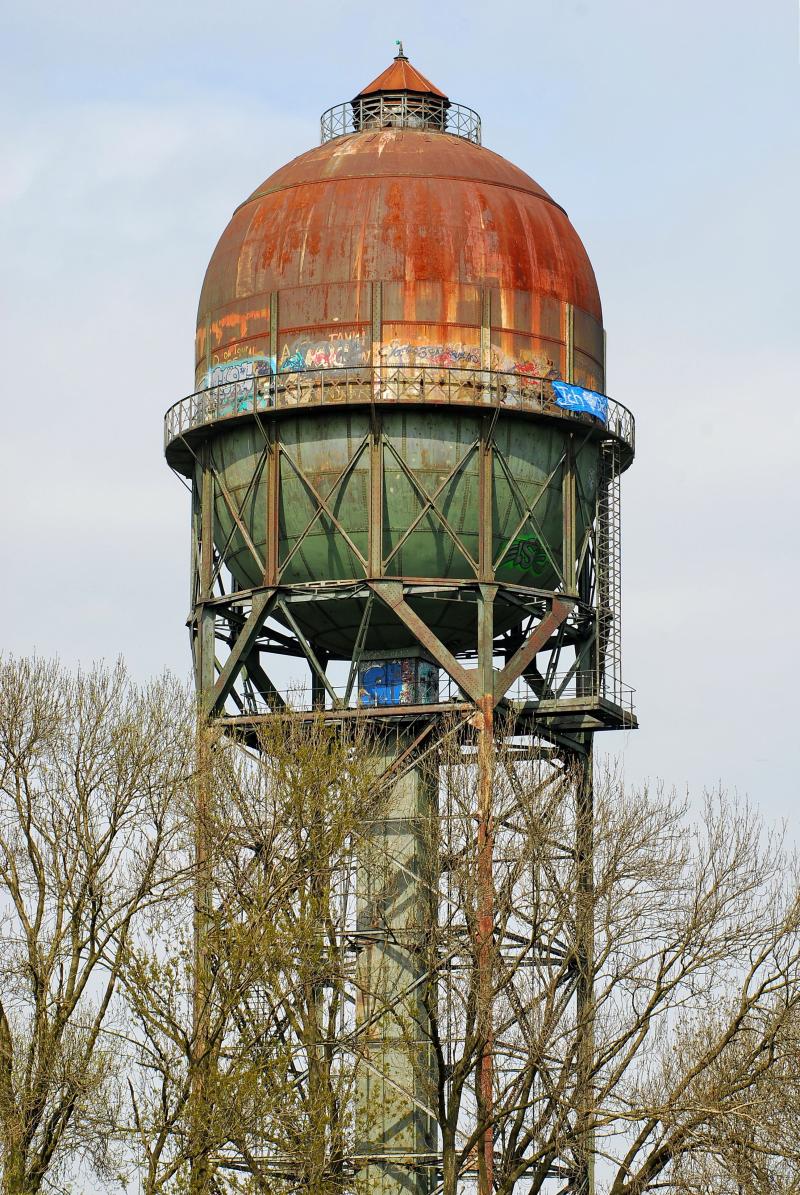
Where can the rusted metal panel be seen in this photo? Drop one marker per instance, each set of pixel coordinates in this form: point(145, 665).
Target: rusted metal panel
point(400, 75)
point(397, 154)
point(432, 217)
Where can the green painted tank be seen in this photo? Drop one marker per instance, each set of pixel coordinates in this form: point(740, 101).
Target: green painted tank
point(431, 451)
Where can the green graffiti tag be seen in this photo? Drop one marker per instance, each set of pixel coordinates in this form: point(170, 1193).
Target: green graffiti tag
point(527, 554)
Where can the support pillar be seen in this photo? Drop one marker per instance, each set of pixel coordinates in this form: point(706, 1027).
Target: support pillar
point(396, 1137)
point(584, 950)
point(485, 895)
point(200, 1177)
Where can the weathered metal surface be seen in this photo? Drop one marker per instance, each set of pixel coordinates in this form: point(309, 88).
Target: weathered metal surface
point(534, 643)
point(262, 603)
point(437, 220)
point(400, 75)
point(434, 480)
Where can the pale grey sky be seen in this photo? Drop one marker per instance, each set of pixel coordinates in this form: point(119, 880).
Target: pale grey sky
point(128, 134)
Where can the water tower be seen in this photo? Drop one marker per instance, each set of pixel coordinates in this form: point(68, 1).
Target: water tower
point(405, 478)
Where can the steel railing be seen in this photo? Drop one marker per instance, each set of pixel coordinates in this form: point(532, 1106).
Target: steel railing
point(400, 111)
point(583, 685)
point(262, 392)
point(570, 685)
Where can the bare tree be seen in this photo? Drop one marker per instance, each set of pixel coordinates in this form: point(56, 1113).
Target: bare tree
point(679, 1075)
point(694, 968)
point(91, 769)
point(274, 1109)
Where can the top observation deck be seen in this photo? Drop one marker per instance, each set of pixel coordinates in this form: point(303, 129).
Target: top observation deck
point(258, 394)
point(401, 98)
point(400, 111)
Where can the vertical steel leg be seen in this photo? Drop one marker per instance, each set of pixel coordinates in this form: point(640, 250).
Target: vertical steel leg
point(200, 1178)
point(584, 949)
point(485, 894)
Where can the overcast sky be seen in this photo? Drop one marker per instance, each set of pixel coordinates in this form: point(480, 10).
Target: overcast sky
point(668, 131)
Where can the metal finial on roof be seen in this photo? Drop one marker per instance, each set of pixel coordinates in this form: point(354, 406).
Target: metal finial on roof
point(400, 53)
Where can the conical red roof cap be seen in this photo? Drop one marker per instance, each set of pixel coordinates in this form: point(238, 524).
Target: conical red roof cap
point(401, 76)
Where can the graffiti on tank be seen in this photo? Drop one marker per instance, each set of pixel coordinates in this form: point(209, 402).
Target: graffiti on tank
point(540, 367)
point(399, 682)
point(240, 385)
point(527, 554)
point(240, 369)
point(244, 384)
point(341, 350)
point(463, 356)
point(350, 349)
point(537, 365)
point(578, 398)
point(446, 356)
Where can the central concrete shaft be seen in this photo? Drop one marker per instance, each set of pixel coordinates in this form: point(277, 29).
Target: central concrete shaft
point(396, 1136)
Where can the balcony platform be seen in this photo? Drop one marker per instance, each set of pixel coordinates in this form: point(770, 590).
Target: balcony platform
point(583, 713)
point(565, 714)
point(189, 421)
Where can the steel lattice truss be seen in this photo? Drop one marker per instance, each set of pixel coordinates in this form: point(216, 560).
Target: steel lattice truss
point(536, 965)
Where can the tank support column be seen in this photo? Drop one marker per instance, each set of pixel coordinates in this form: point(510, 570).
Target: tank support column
point(485, 893)
point(396, 1077)
point(204, 671)
point(584, 952)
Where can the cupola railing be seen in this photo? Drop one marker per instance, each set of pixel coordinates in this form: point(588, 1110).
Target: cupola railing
point(403, 110)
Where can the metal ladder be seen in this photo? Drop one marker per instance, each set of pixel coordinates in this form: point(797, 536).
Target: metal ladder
point(609, 584)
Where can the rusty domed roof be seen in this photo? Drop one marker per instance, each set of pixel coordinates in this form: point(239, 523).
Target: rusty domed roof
point(399, 204)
